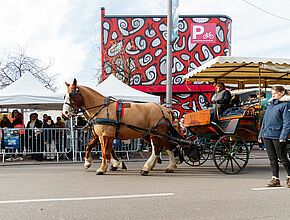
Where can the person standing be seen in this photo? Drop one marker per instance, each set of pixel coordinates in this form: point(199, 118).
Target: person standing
point(275, 131)
point(221, 100)
point(49, 137)
point(4, 123)
point(60, 134)
point(18, 123)
point(31, 135)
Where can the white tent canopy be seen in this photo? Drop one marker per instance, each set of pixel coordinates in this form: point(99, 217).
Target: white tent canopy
point(28, 93)
point(116, 88)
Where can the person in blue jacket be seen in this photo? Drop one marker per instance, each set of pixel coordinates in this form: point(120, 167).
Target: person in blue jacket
point(274, 133)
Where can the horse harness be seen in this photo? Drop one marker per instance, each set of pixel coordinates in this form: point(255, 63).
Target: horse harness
point(119, 113)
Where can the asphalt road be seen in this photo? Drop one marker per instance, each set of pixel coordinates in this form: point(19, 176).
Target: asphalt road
point(67, 191)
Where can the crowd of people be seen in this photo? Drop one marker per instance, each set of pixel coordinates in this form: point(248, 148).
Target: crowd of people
point(45, 134)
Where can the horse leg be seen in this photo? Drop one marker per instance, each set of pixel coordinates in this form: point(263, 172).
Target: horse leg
point(116, 163)
point(155, 142)
point(107, 146)
point(90, 146)
point(154, 163)
point(172, 162)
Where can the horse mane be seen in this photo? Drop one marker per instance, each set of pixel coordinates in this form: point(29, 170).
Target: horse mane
point(90, 90)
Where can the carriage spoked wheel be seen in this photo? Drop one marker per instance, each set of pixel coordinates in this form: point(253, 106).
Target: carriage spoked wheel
point(230, 154)
point(196, 157)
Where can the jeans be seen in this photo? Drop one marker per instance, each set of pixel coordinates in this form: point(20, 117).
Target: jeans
point(277, 150)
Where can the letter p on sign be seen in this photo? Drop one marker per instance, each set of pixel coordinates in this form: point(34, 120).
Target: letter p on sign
point(203, 33)
point(197, 30)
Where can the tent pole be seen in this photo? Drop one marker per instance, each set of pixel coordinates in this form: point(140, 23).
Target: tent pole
point(259, 122)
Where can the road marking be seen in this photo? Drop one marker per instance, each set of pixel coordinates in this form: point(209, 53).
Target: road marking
point(267, 188)
point(86, 198)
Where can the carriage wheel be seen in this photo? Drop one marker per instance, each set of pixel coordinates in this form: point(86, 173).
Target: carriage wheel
point(230, 154)
point(203, 145)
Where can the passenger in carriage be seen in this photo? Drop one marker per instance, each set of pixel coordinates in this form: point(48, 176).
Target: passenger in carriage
point(275, 131)
point(264, 101)
point(221, 100)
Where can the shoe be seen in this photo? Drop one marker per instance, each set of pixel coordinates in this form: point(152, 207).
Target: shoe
point(274, 183)
point(287, 185)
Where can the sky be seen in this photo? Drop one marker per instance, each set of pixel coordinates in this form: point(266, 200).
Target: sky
point(68, 31)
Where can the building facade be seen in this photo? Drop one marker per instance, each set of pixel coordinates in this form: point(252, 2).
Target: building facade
point(134, 50)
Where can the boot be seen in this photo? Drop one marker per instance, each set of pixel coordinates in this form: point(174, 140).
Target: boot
point(274, 183)
point(287, 185)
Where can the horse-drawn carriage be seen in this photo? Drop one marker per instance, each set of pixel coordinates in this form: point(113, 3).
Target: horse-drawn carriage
point(228, 140)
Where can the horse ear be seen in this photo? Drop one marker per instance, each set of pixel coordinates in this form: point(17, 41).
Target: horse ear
point(67, 85)
point(75, 82)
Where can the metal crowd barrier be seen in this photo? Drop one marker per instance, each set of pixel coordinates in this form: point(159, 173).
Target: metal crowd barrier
point(82, 138)
point(53, 143)
point(50, 143)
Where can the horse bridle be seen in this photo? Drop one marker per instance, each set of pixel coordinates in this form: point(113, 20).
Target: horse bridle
point(74, 92)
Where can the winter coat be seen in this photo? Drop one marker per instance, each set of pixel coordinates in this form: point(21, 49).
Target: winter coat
point(38, 124)
point(49, 134)
point(221, 101)
point(276, 121)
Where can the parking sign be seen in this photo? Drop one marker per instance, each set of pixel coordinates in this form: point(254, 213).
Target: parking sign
point(203, 33)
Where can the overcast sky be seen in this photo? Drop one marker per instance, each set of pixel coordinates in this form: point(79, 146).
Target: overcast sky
point(68, 30)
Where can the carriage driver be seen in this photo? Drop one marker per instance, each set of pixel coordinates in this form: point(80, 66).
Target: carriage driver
point(220, 100)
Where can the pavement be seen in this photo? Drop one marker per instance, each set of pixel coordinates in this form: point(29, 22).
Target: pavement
point(68, 191)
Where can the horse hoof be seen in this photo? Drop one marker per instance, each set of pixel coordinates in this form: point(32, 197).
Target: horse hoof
point(99, 173)
point(144, 173)
point(87, 166)
point(113, 168)
point(124, 166)
point(159, 160)
point(168, 171)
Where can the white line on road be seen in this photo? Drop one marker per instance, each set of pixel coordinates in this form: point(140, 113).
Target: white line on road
point(86, 198)
point(267, 188)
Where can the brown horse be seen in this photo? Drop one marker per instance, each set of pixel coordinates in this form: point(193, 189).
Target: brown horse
point(151, 118)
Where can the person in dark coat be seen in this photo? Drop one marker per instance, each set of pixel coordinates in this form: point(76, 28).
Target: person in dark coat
point(60, 134)
point(33, 139)
point(49, 137)
point(4, 123)
point(18, 123)
point(221, 100)
point(275, 131)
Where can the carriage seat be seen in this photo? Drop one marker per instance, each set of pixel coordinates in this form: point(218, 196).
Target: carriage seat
point(233, 111)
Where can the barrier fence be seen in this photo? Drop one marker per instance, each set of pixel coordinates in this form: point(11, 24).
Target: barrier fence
point(54, 144)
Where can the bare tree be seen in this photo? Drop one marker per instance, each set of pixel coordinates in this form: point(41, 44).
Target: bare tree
point(96, 54)
point(14, 65)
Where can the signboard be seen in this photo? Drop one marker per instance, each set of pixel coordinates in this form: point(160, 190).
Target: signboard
point(203, 33)
point(11, 139)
